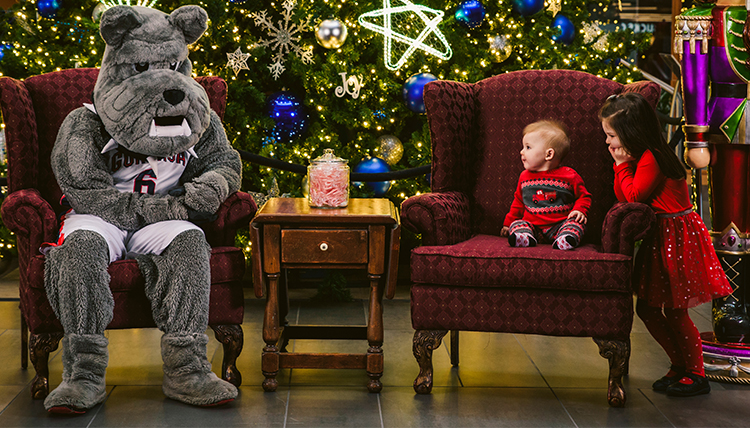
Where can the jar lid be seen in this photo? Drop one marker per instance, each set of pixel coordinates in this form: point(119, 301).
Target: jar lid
point(328, 157)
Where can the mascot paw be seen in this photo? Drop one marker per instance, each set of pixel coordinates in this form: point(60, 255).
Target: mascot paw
point(187, 373)
point(75, 398)
point(85, 360)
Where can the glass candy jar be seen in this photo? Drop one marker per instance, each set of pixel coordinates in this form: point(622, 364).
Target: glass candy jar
point(328, 178)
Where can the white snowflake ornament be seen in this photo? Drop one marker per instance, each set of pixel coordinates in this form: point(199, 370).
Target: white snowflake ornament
point(237, 61)
point(285, 38)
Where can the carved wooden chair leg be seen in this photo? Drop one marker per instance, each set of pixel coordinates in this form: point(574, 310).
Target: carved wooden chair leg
point(425, 341)
point(232, 337)
point(40, 346)
point(617, 352)
point(24, 343)
point(454, 348)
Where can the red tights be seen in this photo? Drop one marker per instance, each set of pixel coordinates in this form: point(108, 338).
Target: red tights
point(676, 333)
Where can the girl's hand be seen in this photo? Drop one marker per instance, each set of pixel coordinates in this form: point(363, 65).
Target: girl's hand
point(577, 216)
point(505, 231)
point(619, 154)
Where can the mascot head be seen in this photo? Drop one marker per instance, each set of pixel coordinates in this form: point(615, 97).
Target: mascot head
point(144, 94)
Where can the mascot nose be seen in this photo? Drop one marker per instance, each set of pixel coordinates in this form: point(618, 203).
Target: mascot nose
point(174, 96)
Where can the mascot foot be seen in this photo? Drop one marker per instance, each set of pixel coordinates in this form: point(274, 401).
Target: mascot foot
point(187, 372)
point(85, 359)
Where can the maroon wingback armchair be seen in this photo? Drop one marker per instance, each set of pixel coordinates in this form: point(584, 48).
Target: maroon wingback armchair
point(466, 276)
point(33, 110)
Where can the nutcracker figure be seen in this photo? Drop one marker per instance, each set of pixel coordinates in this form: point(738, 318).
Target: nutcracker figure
point(712, 40)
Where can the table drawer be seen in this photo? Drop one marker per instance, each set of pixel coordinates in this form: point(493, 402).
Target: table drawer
point(323, 246)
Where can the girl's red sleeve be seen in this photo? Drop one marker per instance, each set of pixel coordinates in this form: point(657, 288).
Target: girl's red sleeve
point(636, 182)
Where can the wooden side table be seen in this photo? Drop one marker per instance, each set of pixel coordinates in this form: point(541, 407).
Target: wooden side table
point(287, 234)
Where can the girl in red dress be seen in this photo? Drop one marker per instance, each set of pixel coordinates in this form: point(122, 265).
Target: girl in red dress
point(676, 268)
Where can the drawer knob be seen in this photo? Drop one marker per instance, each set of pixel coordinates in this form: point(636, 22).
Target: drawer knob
point(323, 246)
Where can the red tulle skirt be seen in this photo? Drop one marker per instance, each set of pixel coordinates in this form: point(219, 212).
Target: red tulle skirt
point(677, 267)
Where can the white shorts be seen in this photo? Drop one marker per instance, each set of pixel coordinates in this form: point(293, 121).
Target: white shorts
point(151, 239)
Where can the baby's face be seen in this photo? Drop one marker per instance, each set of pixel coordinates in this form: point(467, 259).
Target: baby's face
point(535, 154)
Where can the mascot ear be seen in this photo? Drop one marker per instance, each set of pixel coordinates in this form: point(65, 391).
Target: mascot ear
point(191, 20)
point(116, 22)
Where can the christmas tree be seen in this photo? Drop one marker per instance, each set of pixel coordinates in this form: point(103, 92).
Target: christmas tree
point(343, 74)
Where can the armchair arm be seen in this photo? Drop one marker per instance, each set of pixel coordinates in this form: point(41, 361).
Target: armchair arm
point(31, 218)
point(626, 223)
point(441, 218)
point(234, 213)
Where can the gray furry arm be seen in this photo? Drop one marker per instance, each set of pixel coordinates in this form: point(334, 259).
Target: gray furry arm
point(215, 174)
point(83, 177)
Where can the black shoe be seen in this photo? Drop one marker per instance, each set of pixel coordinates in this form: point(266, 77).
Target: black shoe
point(699, 386)
point(662, 384)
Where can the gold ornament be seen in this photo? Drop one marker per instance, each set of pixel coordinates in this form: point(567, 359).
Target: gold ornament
point(389, 149)
point(500, 48)
point(555, 6)
point(331, 33)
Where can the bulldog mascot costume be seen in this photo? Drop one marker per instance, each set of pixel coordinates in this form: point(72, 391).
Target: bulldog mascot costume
point(139, 167)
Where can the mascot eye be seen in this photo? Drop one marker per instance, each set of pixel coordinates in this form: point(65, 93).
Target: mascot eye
point(173, 65)
point(140, 66)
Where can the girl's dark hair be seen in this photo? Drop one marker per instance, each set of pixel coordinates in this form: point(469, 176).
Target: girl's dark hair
point(637, 127)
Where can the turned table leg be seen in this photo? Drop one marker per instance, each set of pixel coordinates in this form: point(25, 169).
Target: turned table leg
point(375, 336)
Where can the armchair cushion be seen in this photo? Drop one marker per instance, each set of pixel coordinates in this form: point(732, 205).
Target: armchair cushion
point(488, 261)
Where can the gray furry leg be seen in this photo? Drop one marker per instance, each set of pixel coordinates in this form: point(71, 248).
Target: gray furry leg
point(178, 283)
point(85, 359)
point(187, 373)
point(77, 283)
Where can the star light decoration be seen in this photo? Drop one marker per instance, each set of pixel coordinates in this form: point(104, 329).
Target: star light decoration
point(284, 38)
point(555, 6)
point(238, 61)
point(385, 16)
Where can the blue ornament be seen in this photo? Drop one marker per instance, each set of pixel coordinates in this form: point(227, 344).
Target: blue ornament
point(48, 8)
point(566, 30)
point(373, 165)
point(528, 7)
point(290, 115)
point(470, 13)
point(414, 90)
point(3, 48)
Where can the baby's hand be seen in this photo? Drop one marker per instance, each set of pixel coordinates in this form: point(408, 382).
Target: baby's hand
point(577, 216)
point(505, 231)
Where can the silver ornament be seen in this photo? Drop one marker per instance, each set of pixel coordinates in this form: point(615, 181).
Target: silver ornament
point(98, 10)
point(389, 149)
point(331, 33)
point(500, 48)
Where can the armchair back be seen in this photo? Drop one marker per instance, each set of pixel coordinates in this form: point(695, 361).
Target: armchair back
point(477, 129)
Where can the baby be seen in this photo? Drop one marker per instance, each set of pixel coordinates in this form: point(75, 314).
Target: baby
point(550, 201)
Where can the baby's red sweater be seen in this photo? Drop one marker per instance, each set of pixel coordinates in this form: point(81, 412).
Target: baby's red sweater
point(643, 181)
point(546, 198)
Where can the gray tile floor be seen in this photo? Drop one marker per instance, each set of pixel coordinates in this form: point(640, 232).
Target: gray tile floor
point(503, 380)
